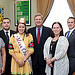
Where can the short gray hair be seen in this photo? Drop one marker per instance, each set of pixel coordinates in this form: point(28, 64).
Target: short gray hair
point(38, 14)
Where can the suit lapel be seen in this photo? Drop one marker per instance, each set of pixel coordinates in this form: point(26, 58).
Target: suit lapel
point(10, 33)
point(3, 33)
point(73, 33)
point(4, 36)
point(35, 35)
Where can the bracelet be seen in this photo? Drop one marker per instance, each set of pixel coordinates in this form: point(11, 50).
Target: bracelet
point(46, 59)
point(51, 61)
point(24, 61)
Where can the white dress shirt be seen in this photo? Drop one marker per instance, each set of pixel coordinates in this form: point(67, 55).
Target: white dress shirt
point(40, 31)
point(8, 32)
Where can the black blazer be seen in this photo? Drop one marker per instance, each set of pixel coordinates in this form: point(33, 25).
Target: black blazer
point(3, 36)
point(71, 49)
point(38, 49)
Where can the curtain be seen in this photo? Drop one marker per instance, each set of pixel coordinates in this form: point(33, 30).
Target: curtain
point(44, 6)
point(72, 6)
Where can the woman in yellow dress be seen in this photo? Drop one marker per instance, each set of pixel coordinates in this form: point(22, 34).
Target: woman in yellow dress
point(21, 48)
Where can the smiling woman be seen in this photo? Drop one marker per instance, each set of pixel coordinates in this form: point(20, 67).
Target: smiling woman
point(21, 28)
point(55, 52)
point(21, 48)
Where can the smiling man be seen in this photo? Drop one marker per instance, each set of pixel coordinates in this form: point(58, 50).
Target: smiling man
point(5, 34)
point(40, 34)
point(71, 38)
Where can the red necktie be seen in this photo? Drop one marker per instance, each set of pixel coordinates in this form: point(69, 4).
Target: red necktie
point(38, 36)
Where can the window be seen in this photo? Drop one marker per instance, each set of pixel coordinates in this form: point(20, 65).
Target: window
point(60, 12)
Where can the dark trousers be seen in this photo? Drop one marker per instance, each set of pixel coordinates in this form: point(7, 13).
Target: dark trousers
point(71, 66)
point(38, 69)
point(7, 71)
point(7, 67)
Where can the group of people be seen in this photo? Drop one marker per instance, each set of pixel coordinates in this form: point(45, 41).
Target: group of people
point(38, 51)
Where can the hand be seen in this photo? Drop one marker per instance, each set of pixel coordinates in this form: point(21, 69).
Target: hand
point(50, 65)
point(48, 61)
point(20, 62)
point(21, 65)
point(2, 70)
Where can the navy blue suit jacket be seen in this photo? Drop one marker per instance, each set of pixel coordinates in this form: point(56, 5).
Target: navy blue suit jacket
point(71, 49)
point(71, 52)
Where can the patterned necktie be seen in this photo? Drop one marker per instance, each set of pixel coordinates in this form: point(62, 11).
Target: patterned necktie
point(68, 34)
point(38, 36)
point(7, 36)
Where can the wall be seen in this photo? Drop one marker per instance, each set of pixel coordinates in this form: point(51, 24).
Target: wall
point(6, 7)
point(33, 12)
point(11, 14)
point(9, 11)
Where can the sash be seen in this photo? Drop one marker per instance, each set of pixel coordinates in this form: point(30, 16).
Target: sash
point(22, 48)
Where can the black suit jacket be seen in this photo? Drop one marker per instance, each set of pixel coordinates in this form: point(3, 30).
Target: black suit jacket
point(71, 49)
point(38, 49)
point(8, 57)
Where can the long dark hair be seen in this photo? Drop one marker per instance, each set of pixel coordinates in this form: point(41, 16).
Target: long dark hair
point(61, 33)
point(17, 27)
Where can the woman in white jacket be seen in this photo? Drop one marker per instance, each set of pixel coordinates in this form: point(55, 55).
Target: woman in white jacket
point(55, 52)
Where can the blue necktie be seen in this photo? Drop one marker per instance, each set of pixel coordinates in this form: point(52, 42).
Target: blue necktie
point(68, 34)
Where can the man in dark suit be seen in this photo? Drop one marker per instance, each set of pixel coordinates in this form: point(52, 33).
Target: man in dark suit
point(5, 34)
point(40, 34)
point(71, 38)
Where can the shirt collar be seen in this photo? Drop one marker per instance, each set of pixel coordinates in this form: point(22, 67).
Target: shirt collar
point(6, 31)
point(72, 29)
point(39, 28)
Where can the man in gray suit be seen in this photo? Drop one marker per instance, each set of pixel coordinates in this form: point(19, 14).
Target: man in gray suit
point(71, 38)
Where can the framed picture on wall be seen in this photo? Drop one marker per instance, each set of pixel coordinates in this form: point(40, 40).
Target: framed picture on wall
point(23, 10)
point(1, 14)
